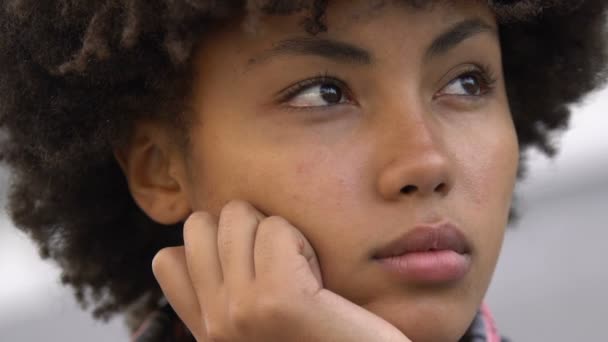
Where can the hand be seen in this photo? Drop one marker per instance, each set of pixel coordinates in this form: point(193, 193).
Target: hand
point(256, 278)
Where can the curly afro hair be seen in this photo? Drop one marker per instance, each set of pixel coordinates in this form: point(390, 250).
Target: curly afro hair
point(76, 75)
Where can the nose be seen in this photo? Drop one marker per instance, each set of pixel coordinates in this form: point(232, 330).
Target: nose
point(417, 163)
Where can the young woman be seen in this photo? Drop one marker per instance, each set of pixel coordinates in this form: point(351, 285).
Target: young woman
point(342, 170)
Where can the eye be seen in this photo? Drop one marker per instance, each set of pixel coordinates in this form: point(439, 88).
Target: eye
point(465, 85)
point(473, 83)
point(319, 92)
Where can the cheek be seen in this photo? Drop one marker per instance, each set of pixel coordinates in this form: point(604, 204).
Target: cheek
point(488, 170)
point(317, 189)
point(313, 189)
point(305, 183)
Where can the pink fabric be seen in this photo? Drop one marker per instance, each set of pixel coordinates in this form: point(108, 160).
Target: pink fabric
point(490, 325)
point(165, 323)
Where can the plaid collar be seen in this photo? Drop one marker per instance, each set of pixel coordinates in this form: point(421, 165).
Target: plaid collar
point(163, 325)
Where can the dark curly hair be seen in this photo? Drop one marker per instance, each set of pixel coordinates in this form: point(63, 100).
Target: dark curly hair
point(76, 75)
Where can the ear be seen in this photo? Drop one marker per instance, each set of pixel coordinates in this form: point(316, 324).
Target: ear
point(156, 173)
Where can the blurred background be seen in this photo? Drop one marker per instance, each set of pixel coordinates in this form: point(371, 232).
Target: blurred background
point(550, 285)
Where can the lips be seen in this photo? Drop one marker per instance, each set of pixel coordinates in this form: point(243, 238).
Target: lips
point(444, 236)
point(427, 254)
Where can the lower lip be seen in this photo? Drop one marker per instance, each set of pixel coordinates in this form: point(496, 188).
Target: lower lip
point(428, 267)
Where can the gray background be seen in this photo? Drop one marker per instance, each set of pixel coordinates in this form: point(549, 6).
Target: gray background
point(550, 283)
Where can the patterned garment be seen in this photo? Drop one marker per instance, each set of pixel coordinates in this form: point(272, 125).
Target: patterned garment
point(163, 325)
point(483, 328)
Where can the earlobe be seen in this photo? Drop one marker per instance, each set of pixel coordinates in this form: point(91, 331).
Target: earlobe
point(155, 172)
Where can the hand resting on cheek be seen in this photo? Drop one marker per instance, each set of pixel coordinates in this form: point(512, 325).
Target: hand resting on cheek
point(254, 278)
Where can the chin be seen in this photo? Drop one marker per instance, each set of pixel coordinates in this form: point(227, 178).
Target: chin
point(427, 322)
point(432, 334)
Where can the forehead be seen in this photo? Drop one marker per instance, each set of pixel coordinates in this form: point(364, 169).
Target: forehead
point(386, 31)
point(342, 18)
point(342, 13)
point(357, 21)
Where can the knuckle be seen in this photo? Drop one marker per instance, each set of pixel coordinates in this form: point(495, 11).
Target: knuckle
point(246, 315)
point(240, 314)
point(216, 333)
point(236, 207)
point(225, 234)
point(273, 222)
point(271, 232)
point(270, 308)
point(197, 219)
point(224, 243)
point(216, 330)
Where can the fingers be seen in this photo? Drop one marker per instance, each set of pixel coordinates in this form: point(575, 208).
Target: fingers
point(281, 249)
point(211, 280)
point(236, 236)
point(171, 272)
point(219, 261)
point(204, 268)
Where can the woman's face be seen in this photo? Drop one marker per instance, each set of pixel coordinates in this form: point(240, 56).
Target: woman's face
point(395, 117)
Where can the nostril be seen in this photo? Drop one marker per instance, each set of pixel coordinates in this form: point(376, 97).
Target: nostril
point(408, 189)
point(440, 188)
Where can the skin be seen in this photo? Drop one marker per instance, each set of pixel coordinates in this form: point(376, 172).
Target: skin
point(335, 171)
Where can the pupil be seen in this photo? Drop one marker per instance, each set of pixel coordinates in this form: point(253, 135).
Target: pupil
point(331, 93)
point(470, 85)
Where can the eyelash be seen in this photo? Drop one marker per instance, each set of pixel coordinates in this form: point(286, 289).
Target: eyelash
point(483, 74)
point(324, 78)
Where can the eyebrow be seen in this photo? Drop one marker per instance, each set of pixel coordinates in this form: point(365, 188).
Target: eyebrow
point(341, 51)
point(456, 35)
point(326, 48)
